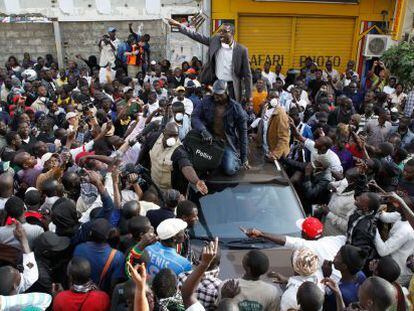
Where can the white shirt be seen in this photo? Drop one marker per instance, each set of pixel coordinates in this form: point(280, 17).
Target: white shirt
point(326, 248)
point(128, 195)
point(388, 90)
point(288, 300)
point(152, 107)
point(107, 53)
point(334, 74)
point(188, 104)
point(400, 242)
point(132, 154)
point(86, 147)
point(196, 307)
point(397, 99)
point(106, 75)
point(3, 202)
point(147, 206)
point(224, 62)
point(271, 77)
point(30, 273)
point(163, 94)
point(335, 163)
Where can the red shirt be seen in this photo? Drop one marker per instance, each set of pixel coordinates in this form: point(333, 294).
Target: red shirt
point(93, 301)
point(356, 152)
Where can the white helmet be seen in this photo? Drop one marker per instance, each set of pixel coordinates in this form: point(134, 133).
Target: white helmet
point(29, 75)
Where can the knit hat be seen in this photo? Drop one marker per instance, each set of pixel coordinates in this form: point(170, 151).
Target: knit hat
point(305, 262)
point(353, 257)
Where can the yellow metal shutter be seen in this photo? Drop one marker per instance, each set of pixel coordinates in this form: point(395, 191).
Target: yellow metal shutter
point(267, 38)
point(323, 39)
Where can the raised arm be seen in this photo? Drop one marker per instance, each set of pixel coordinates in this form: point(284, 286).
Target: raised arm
point(139, 275)
point(191, 284)
point(254, 233)
point(189, 33)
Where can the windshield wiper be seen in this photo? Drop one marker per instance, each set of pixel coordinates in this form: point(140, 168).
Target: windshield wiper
point(204, 238)
point(246, 241)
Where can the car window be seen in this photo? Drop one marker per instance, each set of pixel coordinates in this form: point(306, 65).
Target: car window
point(271, 208)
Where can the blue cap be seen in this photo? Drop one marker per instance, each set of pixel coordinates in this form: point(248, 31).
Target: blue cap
point(190, 84)
point(219, 87)
point(111, 29)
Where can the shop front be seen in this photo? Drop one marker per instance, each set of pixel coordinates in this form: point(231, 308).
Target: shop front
point(286, 33)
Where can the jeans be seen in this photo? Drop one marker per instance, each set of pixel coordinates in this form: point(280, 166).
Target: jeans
point(230, 164)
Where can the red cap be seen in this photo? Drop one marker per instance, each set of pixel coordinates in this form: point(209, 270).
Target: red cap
point(191, 71)
point(311, 226)
point(83, 154)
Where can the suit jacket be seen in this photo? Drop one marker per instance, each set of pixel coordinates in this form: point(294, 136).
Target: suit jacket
point(241, 74)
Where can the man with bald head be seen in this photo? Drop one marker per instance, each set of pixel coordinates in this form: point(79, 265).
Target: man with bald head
point(169, 160)
point(376, 294)
point(6, 188)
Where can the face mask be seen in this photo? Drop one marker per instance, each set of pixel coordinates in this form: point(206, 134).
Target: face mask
point(179, 116)
point(170, 142)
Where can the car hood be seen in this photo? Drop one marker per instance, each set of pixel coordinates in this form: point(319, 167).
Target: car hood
point(231, 260)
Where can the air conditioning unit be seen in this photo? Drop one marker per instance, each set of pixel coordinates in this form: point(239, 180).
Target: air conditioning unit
point(376, 45)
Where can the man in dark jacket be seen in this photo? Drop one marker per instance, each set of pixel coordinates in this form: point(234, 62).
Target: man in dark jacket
point(227, 60)
point(315, 185)
point(225, 119)
point(362, 223)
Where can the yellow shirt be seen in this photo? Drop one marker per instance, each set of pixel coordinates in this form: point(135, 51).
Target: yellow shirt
point(59, 82)
point(65, 102)
point(258, 99)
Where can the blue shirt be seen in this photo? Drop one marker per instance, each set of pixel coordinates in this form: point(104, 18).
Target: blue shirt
point(195, 99)
point(161, 257)
point(349, 291)
point(122, 48)
point(97, 254)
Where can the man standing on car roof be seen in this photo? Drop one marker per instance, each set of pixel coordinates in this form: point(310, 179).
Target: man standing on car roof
point(223, 118)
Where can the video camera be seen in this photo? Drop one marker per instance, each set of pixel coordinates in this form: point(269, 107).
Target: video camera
point(143, 174)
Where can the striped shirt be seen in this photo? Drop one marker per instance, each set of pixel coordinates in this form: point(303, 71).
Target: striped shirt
point(409, 105)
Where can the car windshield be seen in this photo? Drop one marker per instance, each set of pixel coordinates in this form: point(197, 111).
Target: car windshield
point(269, 207)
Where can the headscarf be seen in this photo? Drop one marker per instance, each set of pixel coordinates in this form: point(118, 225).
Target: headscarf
point(305, 262)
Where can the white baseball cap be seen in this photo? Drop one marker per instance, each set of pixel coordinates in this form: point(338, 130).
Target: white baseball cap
point(71, 115)
point(170, 227)
point(46, 157)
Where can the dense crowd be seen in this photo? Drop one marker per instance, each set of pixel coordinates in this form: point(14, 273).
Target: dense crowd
point(97, 159)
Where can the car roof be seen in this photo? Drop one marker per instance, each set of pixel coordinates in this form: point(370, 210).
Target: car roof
point(261, 171)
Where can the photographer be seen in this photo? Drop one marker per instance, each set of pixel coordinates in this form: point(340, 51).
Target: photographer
point(108, 46)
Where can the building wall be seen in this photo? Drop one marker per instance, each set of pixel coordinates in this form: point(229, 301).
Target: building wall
point(77, 38)
point(15, 39)
point(84, 25)
point(83, 37)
